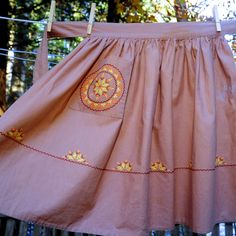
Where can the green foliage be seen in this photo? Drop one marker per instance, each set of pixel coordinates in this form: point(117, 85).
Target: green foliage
point(27, 37)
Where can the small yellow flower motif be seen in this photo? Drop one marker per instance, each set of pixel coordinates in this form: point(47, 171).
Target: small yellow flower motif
point(158, 166)
point(190, 165)
point(16, 134)
point(219, 161)
point(124, 166)
point(76, 156)
point(101, 87)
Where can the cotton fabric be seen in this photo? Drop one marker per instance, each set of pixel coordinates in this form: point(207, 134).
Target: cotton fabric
point(132, 131)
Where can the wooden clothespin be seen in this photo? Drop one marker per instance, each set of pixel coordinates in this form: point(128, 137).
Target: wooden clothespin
point(51, 15)
point(217, 19)
point(91, 18)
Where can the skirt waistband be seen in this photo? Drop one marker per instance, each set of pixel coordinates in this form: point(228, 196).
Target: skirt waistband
point(132, 31)
point(180, 30)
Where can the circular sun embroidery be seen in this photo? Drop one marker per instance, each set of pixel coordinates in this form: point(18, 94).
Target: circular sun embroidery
point(103, 89)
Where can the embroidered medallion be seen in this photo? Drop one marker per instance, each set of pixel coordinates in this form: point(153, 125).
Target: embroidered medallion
point(16, 134)
point(103, 89)
point(124, 166)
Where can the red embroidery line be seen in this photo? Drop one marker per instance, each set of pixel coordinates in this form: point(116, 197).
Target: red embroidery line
point(113, 170)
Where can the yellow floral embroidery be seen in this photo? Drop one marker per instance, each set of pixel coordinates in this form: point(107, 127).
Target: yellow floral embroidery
point(158, 166)
point(101, 87)
point(16, 134)
point(76, 156)
point(124, 166)
point(219, 161)
point(190, 165)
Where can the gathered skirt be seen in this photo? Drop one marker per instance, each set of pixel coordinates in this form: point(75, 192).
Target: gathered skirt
point(134, 130)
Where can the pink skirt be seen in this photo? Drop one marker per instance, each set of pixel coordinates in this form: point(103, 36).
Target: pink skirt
point(135, 130)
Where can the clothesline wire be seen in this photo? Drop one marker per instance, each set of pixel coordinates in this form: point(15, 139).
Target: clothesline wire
point(27, 52)
point(17, 51)
point(23, 20)
point(14, 57)
point(21, 58)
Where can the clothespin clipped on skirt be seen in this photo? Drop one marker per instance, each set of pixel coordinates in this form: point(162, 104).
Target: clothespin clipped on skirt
point(51, 15)
point(217, 19)
point(91, 18)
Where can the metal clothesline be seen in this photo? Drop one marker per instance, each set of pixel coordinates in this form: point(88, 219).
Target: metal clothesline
point(23, 20)
point(17, 51)
point(18, 58)
point(21, 58)
point(44, 22)
point(27, 52)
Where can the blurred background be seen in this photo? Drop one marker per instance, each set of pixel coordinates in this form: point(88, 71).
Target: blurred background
point(19, 42)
